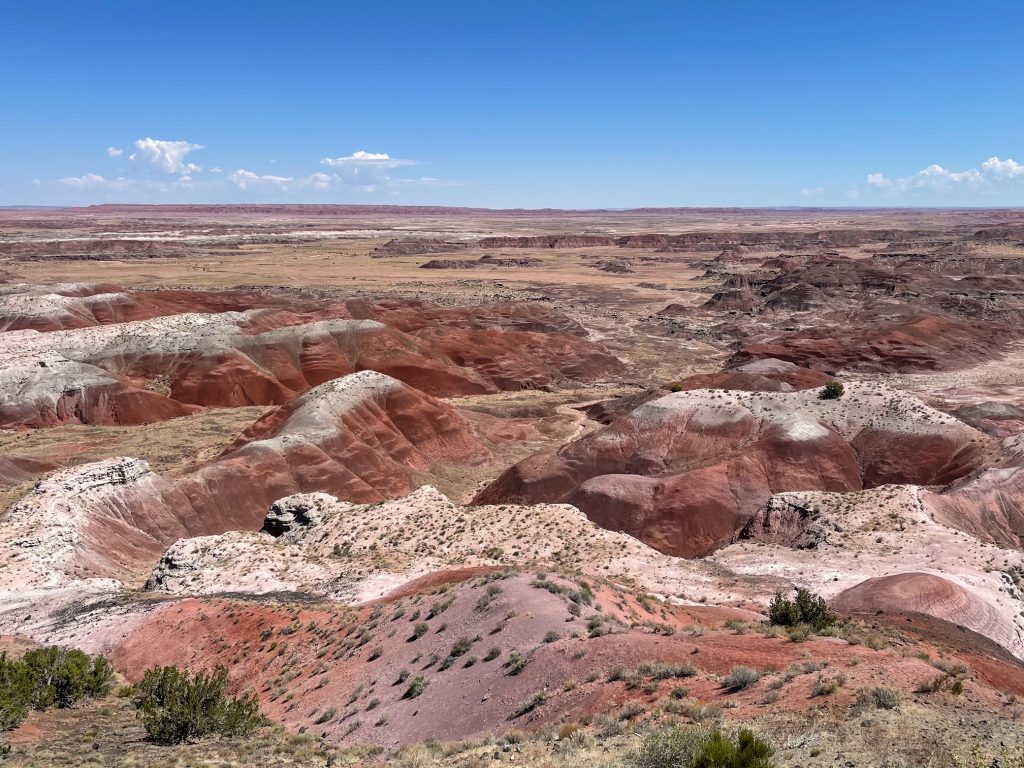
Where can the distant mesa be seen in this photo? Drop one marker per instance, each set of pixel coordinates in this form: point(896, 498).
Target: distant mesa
point(487, 260)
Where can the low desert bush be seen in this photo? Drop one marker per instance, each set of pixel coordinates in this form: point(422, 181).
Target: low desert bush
point(697, 747)
point(881, 697)
point(741, 678)
point(808, 608)
point(833, 390)
point(175, 706)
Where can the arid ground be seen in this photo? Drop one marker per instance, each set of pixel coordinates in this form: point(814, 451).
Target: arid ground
point(554, 463)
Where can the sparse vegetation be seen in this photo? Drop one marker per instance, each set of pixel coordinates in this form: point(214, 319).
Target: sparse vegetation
point(530, 704)
point(833, 390)
point(881, 697)
point(175, 706)
point(697, 747)
point(49, 677)
point(741, 678)
point(808, 608)
point(416, 687)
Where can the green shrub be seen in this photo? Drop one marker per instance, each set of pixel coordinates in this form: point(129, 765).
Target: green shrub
point(833, 390)
point(697, 747)
point(63, 676)
point(15, 692)
point(175, 706)
point(517, 662)
point(808, 608)
point(741, 678)
point(50, 677)
point(416, 687)
point(674, 747)
point(881, 697)
point(744, 751)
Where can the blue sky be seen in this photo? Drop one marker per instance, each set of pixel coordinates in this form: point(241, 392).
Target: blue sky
point(531, 104)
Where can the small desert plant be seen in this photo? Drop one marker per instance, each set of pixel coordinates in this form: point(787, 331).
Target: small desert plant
point(833, 390)
point(530, 704)
point(808, 608)
point(416, 687)
point(881, 697)
point(631, 710)
point(326, 716)
point(517, 662)
point(674, 747)
point(741, 678)
point(745, 750)
point(661, 671)
point(825, 686)
point(175, 706)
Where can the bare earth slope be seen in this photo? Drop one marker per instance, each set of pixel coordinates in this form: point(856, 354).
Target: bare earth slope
point(686, 471)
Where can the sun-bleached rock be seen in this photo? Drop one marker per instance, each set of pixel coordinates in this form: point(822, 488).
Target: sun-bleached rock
point(356, 552)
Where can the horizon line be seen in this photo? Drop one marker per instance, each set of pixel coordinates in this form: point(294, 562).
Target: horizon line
point(385, 208)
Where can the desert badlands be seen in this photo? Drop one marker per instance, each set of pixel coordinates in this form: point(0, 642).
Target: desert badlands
point(448, 486)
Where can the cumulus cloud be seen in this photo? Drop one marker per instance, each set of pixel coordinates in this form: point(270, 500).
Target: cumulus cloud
point(320, 180)
point(244, 179)
point(1002, 168)
point(167, 156)
point(808, 191)
point(361, 171)
point(364, 169)
point(369, 159)
point(937, 178)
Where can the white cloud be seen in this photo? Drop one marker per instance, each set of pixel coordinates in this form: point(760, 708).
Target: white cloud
point(937, 178)
point(361, 171)
point(364, 169)
point(812, 191)
point(93, 181)
point(368, 159)
point(321, 180)
point(244, 179)
point(168, 156)
point(1002, 168)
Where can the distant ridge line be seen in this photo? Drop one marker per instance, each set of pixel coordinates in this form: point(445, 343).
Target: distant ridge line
point(405, 210)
